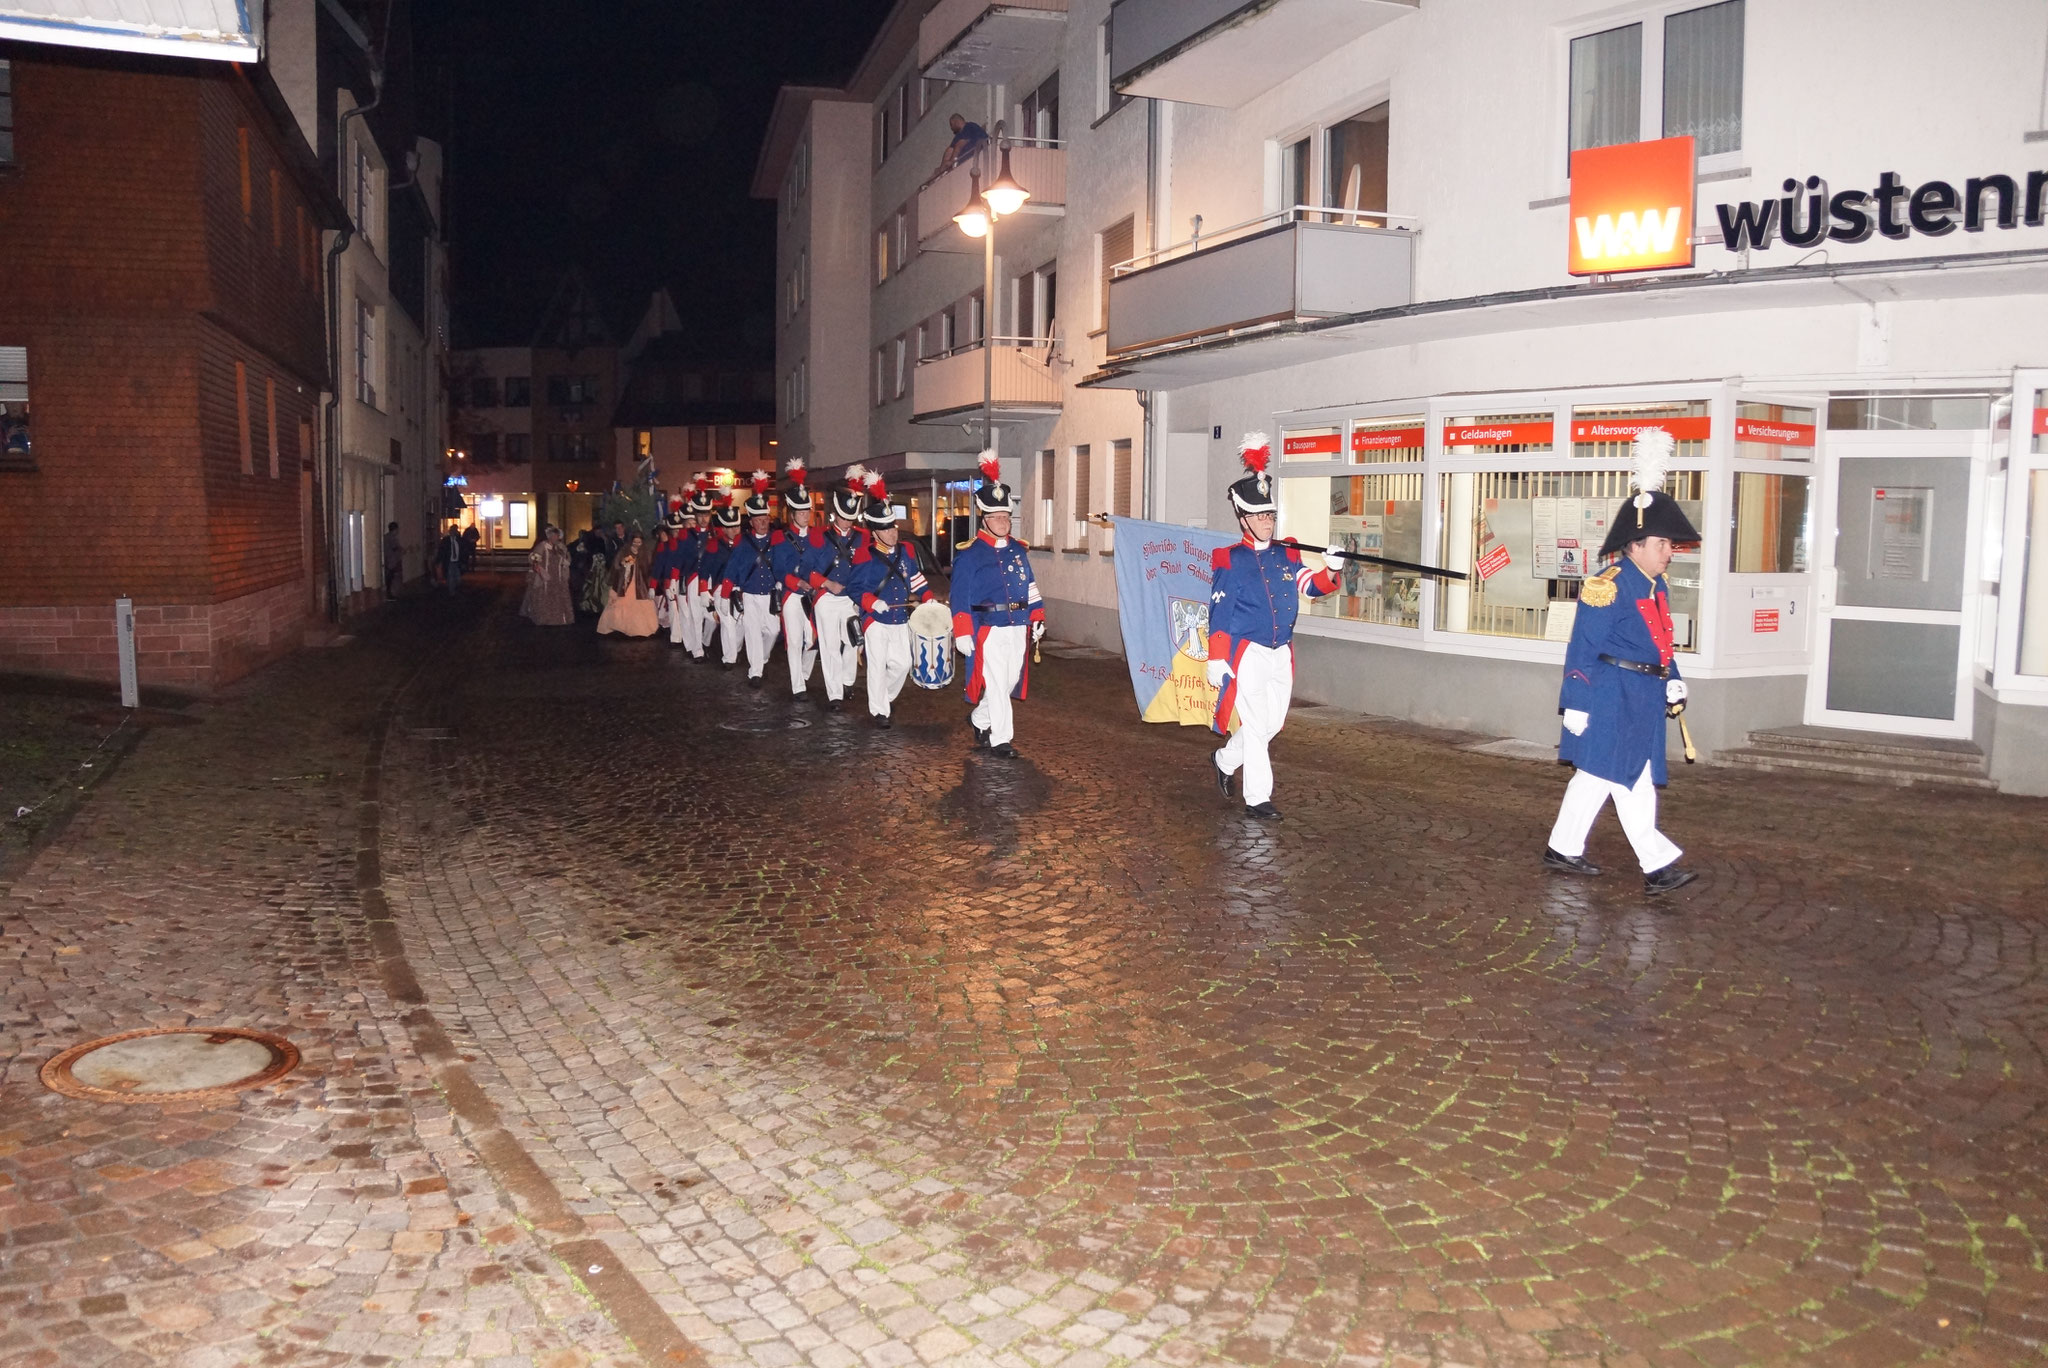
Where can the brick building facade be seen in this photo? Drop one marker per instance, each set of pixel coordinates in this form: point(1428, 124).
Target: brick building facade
point(162, 226)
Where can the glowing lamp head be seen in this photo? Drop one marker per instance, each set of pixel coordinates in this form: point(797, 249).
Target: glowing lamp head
point(1006, 196)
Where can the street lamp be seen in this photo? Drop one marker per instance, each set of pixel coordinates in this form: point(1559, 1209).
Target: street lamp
point(977, 219)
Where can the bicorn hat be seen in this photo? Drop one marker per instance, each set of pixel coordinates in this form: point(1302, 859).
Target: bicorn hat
point(798, 495)
point(1254, 493)
point(850, 503)
point(994, 496)
point(1650, 512)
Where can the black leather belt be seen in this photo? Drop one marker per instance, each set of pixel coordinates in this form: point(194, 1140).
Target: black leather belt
point(1654, 671)
point(1000, 607)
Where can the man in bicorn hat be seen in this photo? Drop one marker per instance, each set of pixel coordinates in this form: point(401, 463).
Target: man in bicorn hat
point(827, 566)
point(1621, 682)
point(1256, 589)
point(997, 613)
point(887, 582)
point(799, 542)
point(750, 575)
point(724, 615)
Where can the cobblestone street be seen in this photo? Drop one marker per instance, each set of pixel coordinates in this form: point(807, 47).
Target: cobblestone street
point(649, 1019)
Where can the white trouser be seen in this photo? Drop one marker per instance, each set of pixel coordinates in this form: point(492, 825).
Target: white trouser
point(661, 609)
point(837, 658)
point(799, 641)
point(888, 648)
point(1637, 807)
point(1265, 686)
point(757, 629)
point(728, 610)
point(685, 618)
point(1002, 665)
point(697, 623)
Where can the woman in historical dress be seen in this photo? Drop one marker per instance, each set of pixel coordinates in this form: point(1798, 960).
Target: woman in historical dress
point(631, 611)
point(547, 582)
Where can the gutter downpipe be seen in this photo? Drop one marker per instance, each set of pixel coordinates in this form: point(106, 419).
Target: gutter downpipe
point(1145, 396)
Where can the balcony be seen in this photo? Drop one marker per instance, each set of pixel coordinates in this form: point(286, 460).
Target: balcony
point(1304, 262)
point(1025, 384)
point(1223, 52)
point(1040, 167)
point(989, 43)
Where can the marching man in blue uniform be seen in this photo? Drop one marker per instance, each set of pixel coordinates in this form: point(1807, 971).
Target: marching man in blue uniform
point(725, 533)
point(687, 608)
point(751, 574)
point(1621, 682)
point(1255, 596)
point(799, 542)
point(997, 613)
point(887, 583)
point(827, 565)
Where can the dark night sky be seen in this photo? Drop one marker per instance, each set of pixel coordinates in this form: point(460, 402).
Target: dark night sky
point(619, 135)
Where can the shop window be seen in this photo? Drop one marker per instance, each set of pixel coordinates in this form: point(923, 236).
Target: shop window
point(1606, 432)
point(1528, 539)
point(1773, 432)
point(1356, 158)
point(1377, 515)
point(2033, 657)
point(1312, 444)
point(17, 445)
point(1772, 524)
point(1387, 441)
point(1908, 412)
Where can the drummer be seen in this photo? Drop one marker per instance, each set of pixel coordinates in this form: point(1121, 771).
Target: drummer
point(885, 582)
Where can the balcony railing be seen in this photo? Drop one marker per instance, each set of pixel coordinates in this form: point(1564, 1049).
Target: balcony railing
point(989, 42)
point(1025, 382)
point(1307, 261)
point(1223, 52)
point(1040, 166)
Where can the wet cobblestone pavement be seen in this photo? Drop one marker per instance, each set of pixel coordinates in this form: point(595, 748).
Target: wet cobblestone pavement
point(638, 1007)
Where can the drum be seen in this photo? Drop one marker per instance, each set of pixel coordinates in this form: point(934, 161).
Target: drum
point(931, 645)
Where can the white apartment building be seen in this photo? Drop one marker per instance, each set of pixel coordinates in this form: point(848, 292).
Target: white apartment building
point(1356, 230)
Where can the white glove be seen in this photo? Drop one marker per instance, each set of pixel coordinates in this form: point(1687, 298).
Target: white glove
point(966, 645)
point(1575, 721)
point(1219, 670)
point(1038, 630)
point(1675, 691)
point(1333, 561)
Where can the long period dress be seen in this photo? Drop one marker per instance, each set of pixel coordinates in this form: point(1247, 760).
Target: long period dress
point(547, 587)
point(631, 611)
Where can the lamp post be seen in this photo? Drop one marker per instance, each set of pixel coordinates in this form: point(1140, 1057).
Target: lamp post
point(978, 220)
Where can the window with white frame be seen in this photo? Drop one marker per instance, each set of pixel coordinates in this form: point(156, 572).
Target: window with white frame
point(881, 375)
point(363, 196)
point(366, 353)
point(803, 385)
point(1772, 531)
point(1047, 489)
point(17, 445)
point(1108, 100)
point(1114, 246)
point(1677, 72)
point(902, 366)
point(6, 113)
point(881, 254)
point(1083, 492)
point(803, 276)
point(1038, 116)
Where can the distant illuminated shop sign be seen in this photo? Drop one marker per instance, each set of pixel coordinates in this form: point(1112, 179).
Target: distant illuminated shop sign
point(456, 481)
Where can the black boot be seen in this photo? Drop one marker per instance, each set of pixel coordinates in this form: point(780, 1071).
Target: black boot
point(1225, 783)
point(1265, 811)
point(1568, 864)
point(1665, 879)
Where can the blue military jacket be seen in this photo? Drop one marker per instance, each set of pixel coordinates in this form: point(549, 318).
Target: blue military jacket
point(711, 564)
point(1255, 595)
point(1625, 708)
point(886, 583)
point(987, 580)
point(751, 570)
point(788, 556)
point(833, 556)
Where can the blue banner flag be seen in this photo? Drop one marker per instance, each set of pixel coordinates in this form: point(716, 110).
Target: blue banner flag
point(1162, 594)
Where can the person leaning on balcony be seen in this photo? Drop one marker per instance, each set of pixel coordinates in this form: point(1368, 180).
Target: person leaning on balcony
point(1621, 682)
point(968, 138)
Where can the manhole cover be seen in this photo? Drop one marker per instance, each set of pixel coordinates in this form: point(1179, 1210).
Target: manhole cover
point(765, 724)
point(187, 1065)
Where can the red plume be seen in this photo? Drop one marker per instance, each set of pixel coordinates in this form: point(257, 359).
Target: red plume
point(761, 480)
point(991, 466)
point(877, 487)
point(1255, 451)
point(796, 471)
point(856, 476)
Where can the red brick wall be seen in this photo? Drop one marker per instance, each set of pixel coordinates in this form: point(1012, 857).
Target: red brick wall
point(192, 647)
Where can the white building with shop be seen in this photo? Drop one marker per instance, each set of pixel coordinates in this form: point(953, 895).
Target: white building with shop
point(1360, 217)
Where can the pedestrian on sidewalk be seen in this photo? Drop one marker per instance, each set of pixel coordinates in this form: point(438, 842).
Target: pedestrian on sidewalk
point(547, 601)
point(997, 614)
point(1255, 597)
point(449, 556)
point(472, 535)
point(394, 561)
point(886, 581)
point(1621, 681)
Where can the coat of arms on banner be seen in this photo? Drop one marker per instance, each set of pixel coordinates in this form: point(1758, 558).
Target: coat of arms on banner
point(1190, 627)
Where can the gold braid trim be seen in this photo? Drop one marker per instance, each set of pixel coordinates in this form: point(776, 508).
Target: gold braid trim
point(1599, 591)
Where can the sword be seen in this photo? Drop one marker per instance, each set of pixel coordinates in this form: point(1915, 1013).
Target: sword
point(1435, 571)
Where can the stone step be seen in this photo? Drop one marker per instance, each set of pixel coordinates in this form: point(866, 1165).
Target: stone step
point(1920, 752)
point(1889, 769)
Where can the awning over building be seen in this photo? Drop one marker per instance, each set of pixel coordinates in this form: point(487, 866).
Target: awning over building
point(224, 30)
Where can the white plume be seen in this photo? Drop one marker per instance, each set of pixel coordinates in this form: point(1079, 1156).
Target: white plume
point(1651, 451)
point(857, 474)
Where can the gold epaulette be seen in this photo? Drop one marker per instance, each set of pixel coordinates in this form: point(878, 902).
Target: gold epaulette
point(1599, 591)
